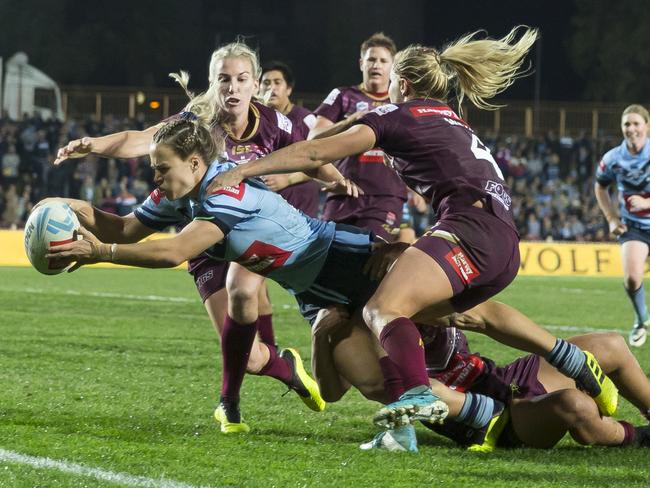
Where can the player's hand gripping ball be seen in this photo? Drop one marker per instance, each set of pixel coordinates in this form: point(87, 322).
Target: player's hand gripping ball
point(50, 224)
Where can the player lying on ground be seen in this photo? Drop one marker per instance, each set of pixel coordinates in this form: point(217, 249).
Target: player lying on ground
point(321, 263)
point(542, 405)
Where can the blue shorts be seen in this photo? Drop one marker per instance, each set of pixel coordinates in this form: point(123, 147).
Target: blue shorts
point(634, 233)
point(341, 281)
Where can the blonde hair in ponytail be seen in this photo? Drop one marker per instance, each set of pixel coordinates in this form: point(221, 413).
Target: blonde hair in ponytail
point(206, 105)
point(476, 69)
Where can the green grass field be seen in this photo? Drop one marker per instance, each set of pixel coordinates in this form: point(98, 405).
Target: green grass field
point(118, 370)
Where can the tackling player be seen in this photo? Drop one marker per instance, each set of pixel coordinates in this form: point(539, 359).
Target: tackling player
point(472, 252)
point(380, 207)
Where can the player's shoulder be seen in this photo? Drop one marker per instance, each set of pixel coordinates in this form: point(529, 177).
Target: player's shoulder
point(614, 155)
point(271, 119)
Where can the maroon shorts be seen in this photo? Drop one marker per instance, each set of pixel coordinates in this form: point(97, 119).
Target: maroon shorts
point(478, 252)
point(209, 275)
point(381, 215)
point(304, 196)
point(517, 379)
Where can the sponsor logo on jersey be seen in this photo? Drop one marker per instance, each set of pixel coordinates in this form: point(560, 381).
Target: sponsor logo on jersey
point(157, 195)
point(372, 156)
point(499, 193)
point(262, 258)
point(428, 111)
point(232, 191)
point(362, 106)
point(284, 123)
point(461, 372)
point(391, 218)
point(332, 96)
point(463, 266)
point(385, 109)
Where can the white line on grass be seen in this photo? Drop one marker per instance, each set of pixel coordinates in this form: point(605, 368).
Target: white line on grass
point(124, 296)
point(100, 474)
point(573, 328)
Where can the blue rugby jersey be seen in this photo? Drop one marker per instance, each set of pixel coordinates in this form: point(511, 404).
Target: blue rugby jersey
point(262, 231)
point(632, 176)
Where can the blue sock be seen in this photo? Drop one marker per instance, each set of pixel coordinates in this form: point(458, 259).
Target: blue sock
point(477, 410)
point(567, 358)
point(638, 303)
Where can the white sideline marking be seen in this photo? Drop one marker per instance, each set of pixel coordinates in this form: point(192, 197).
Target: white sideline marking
point(573, 328)
point(100, 474)
point(147, 298)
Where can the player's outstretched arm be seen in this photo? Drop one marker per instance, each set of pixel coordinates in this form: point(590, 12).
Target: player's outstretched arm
point(332, 386)
point(126, 144)
point(160, 253)
point(106, 226)
point(301, 156)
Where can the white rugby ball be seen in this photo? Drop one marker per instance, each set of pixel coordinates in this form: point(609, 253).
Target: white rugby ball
point(51, 224)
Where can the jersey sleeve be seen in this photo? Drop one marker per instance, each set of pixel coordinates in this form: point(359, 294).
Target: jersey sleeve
point(288, 132)
point(604, 173)
point(228, 206)
point(158, 213)
point(332, 107)
point(381, 120)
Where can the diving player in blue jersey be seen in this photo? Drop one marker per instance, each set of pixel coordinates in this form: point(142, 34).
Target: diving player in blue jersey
point(628, 165)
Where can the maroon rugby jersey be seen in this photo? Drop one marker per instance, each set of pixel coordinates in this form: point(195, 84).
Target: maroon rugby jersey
point(448, 357)
point(438, 155)
point(271, 131)
point(302, 119)
point(368, 169)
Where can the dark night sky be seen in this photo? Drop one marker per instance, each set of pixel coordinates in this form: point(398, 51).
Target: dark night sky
point(137, 42)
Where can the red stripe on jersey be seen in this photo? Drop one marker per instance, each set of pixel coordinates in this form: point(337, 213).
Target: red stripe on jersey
point(372, 156)
point(463, 266)
point(157, 195)
point(232, 191)
point(262, 258)
point(428, 111)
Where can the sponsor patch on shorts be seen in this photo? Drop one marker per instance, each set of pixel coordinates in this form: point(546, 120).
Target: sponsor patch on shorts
point(463, 266)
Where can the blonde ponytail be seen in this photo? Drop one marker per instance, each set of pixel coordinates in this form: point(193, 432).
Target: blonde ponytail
point(476, 69)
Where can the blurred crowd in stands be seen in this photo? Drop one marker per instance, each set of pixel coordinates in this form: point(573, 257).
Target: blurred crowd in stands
point(551, 178)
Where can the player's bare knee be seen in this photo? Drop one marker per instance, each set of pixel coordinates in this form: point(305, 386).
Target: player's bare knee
point(374, 391)
point(632, 282)
point(577, 408)
point(371, 316)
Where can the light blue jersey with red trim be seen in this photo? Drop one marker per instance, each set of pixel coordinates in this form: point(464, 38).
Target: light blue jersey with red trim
point(631, 172)
point(262, 231)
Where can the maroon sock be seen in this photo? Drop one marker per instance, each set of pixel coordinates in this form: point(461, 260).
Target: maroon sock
point(265, 329)
point(277, 367)
point(236, 342)
point(630, 433)
point(402, 342)
point(392, 379)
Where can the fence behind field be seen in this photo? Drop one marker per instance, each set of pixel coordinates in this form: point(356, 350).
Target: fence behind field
point(516, 117)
